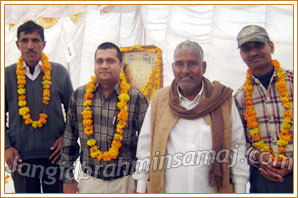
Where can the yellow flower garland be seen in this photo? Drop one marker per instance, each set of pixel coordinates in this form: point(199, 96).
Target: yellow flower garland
point(5, 179)
point(113, 151)
point(153, 82)
point(250, 114)
point(24, 111)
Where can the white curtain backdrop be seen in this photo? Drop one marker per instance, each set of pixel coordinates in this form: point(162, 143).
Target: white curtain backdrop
point(215, 27)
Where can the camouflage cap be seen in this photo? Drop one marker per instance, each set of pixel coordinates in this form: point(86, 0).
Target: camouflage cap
point(252, 33)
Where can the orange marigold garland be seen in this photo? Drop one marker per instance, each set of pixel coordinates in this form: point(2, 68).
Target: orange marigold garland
point(250, 114)
point(153, 82)
point(24, 110)
point(113, 151)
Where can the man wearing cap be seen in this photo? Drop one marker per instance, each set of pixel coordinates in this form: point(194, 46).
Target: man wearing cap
point(265, 102)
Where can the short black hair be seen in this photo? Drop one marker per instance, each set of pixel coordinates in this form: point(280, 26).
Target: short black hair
point(109, 45)
point(30, 27)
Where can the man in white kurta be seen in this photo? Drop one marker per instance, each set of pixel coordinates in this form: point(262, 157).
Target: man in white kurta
point(189, 144)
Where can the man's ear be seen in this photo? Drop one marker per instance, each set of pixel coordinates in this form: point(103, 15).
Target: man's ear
point(271, 45)
point(204, 67)
point(44, 44)
point(17, 44)
point(122, 67)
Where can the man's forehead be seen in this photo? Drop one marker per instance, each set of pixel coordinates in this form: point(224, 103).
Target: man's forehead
point(30, 34)
point(106, 53)
point(183, 53)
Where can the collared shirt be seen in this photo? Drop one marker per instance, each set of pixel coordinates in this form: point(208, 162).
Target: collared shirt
point(36, 72)
point(187, 143)
point(104, 116)
point(269, 112)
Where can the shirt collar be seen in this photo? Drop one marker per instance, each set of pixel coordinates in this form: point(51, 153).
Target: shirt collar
point(257, 81)
point(27, 68)
point(197, 98)
point(116, 88)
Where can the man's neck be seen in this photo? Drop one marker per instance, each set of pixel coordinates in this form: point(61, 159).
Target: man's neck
point(31, 69)
point(31, 66)
point(265, 79)
point(107, 88)
point(263, 71)
point(191, 94)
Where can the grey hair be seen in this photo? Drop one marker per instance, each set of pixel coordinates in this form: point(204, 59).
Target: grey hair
point(190, 45)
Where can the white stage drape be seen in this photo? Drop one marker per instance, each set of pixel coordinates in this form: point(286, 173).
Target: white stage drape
point(215, 27)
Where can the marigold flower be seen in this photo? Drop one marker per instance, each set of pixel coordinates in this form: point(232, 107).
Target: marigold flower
point(91, 142)
point(87, 115)
point(282, 142)
point(43, 115)
point(46, 82)
point(118, 137)
point(286, 125)
point(23, 111)
point(22, 103)
point(20, 72)
point(46, 93)
point(123, 97)
point(114, 153)
point(20, 86)
point(88, 96)
point(39, 124)
point(22, 97)
point(94, 148)
point(88, 130)
point(87, 103)
point(287, 105)
point(255, 137)
point(284, 131)
point(87, 122)
point(34, 124)
point(99, 156)
point(288, 113)
point(107, 156)
point(46, 86)
point(43, 121)
point(26, 116)
point(28, 121)
point(93, 154)
point(285, 137)
point(119, 130)
point(116, 144)
point(21, 91)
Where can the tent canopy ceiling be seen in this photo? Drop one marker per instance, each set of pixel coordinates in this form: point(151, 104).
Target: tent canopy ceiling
point(214, 27)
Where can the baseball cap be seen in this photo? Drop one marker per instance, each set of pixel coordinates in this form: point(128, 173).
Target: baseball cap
point(252, 33)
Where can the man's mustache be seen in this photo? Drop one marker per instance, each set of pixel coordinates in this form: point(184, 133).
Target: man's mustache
point(186, 76)
point(254, 57)
point(30, 51)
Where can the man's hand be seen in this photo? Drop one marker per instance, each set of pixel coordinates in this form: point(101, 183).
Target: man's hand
point(70, 188)
point(57, 148)
point(12, 157)
point(273, 170)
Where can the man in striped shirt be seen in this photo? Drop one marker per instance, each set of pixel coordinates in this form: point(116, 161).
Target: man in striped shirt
point(103, 175)
point(267, 175)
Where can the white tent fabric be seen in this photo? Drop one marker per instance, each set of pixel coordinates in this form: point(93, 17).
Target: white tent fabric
point(215, 27)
